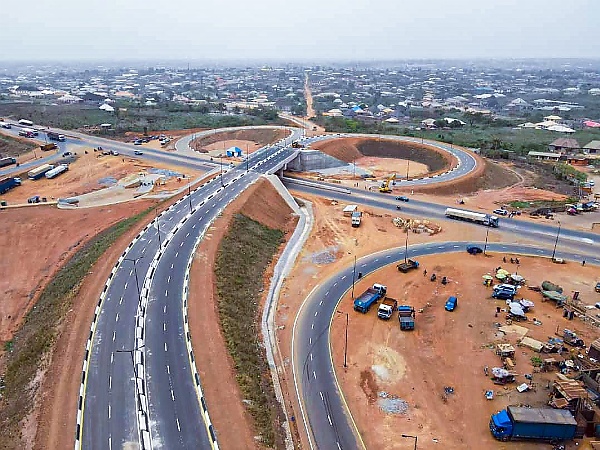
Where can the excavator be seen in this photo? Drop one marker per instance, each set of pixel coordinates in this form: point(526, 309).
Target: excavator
point(385, 186)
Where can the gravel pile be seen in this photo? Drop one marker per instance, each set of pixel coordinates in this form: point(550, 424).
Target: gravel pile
point(391, 404)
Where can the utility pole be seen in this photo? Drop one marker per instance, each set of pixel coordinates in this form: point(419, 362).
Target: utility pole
point(158, 229)
point(406, 248)
point(556, 242)
point(486, 241)
point(407, 168)
point(353, 277)
point(137, 284)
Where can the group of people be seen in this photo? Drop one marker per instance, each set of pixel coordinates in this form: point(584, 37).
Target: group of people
point(512, 260)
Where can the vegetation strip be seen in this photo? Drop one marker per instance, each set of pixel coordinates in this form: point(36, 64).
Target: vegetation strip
point(244, 254)
point(40, 329)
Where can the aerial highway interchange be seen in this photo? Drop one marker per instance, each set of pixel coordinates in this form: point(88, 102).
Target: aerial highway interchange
point(139, 382)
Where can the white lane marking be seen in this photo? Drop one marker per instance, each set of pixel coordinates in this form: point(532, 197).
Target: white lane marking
point(165, 309)
point(121, 300)
point(310, 341)
point(166, 293)
point(388, 256)
point(144, 249)
point(169, 279)
point(311, 356)
point(109, 411)
point(166, 347)
point(117, 318)
point(321, 302)
point(363, 265)
point(176, 254)
point(315, 374)
point(377, 260)
point(125, 287)
point(171, 266)
point(168, 370)
point(326, 293)
point(109, 443)
point(441, 246)
point(114, 335)
point(110, 382)
point(182, 242)
point(344, 277)
point(187, 235)
point(164, 327)
point(455, 246)
point(194, 226)
point(312, 327)
point(335, 284)
point(178, 427)
point(329, 418)
point(112, 357)
point(338, 445)
point(172, 395)
point(130, 272)
point(316, 312)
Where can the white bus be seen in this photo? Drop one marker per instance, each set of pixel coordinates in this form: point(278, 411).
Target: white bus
point(26, 122)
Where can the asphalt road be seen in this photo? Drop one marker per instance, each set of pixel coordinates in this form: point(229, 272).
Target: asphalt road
point(175, 416)
point(330, 424)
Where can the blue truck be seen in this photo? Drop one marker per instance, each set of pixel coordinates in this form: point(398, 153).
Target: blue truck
point(369, 297)
point(540, 424)
point(9, 183)
point(406, 317)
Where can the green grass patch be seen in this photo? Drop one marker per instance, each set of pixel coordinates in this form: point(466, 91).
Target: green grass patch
point(520, 204)
point(244, 254)
point(37, 335)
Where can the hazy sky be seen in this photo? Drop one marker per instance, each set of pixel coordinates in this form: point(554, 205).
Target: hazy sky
point(303, 30)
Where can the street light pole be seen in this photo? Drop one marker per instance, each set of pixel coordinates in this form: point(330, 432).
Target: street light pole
point(158, 229)
point(407, 168)
point(190, 198)
point(353, 277)
point(556, 242)
point(221, 169)
point(406, 248)
point(486, 240)
point(411, 437)
point(346, 340)
point(137, 283)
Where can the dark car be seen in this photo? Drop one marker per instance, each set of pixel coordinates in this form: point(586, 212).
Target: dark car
point(6, 125)
point(598, 286)
point(137, 152)
point(403, 198)
point(138, 142)
point(474, 250)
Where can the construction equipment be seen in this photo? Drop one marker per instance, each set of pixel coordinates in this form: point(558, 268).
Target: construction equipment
point(297, 144)
point(385, 186)
point(407, 265)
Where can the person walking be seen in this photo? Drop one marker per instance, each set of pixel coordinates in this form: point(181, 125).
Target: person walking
point(583, 263)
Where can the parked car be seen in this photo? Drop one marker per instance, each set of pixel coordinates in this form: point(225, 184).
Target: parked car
point(403, 198)
point(137, 152)
point(501, 212)
point(451, 303)
point(6, 125)
point(598, 286)
point(34, 199)
point(137, 142)
point(474, 250)
point(65, 154)
point(114, 153)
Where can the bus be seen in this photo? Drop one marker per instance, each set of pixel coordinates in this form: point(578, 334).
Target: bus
point(26, 122)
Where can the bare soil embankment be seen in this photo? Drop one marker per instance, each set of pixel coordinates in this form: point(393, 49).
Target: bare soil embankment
point(262, 203)
point(260, 136)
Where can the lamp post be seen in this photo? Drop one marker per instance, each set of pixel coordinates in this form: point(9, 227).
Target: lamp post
point(158, 228)
point(190, 198)
point(221, 169)
point(556, 242)
point(407, 168)
point(137, 284)
point(411, 437)
point(247, 157)
point(353, 277)
point(346, 340)
point(487, 233)
point(406, 248)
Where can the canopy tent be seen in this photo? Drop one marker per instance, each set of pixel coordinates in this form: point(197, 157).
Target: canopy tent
point(560, 129)
point(591, 124)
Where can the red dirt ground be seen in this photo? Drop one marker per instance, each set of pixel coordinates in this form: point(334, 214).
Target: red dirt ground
point(447, 349)
point(261, 203)
point(42, 238)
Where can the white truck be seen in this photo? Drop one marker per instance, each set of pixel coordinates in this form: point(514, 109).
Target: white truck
point(386, 308)
point(471, 216)
point(356, 218)
point(56, 171)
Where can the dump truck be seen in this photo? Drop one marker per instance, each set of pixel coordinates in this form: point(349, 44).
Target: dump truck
point(407, 265)
point(55, 136)
point(370, 296)
point(406, 317)
point(540, 424)
point(39, 172)
point(471, 216)
point(386, 308)
point(49, 146)
point(356, 218)
point(7, 162)
point(9, 183)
